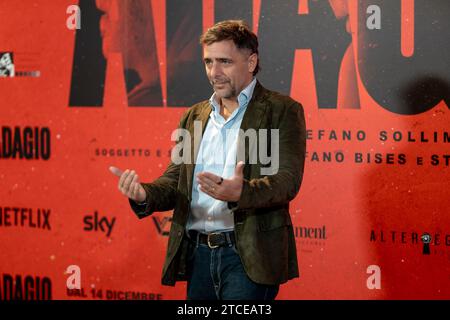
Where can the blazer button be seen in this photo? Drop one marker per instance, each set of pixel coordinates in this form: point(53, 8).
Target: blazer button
point(179, 233)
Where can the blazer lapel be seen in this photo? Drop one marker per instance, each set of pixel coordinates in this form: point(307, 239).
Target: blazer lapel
point(203, 117)
point(252, 120)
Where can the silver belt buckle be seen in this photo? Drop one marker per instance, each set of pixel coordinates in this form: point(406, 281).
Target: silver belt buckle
point(209, 243)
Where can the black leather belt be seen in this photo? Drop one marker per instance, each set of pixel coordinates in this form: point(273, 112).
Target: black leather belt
point(213, 239)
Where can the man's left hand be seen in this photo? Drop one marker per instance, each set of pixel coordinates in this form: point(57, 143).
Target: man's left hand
point(228, 189)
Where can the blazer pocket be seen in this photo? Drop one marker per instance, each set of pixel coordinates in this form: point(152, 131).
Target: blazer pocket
point(274, 220)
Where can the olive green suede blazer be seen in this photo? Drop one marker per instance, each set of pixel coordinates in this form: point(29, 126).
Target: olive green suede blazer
point(263, 227)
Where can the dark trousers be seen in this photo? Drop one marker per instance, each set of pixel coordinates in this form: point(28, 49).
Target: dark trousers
point(218, 274)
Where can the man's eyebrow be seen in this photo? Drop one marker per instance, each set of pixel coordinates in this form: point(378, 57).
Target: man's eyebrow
point(219, 59)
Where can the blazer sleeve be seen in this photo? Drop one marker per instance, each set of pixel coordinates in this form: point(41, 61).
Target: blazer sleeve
point(282, 187)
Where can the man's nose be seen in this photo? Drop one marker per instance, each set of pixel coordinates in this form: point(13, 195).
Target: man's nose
point(215, 69)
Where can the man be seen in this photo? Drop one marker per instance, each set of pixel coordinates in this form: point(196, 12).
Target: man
point(231, 235)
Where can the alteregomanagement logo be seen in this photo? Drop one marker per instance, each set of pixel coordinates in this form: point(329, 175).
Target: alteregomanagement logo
point(437, 242)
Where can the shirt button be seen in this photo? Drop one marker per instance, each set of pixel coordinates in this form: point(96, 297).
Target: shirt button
point(179, 233)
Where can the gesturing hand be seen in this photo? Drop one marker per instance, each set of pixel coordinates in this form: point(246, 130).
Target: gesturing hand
point(129, 184)
point(222, 189)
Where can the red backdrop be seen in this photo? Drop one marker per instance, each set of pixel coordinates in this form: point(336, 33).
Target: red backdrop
point(377, 170)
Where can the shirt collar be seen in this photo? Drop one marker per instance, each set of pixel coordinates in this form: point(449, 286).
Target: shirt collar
point(243, 98)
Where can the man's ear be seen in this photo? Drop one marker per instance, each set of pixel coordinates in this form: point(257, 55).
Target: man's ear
point(252, 62)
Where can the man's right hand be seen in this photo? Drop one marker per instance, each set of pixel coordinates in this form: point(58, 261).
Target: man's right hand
point(129, 184)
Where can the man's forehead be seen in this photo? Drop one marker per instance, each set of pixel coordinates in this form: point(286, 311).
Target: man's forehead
point(227, 45)
point(223, 49)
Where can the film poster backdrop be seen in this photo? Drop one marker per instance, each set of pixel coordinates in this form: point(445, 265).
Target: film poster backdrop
point(89, 84)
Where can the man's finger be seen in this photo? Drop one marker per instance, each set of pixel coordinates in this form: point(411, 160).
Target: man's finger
point(123, 177)
point(136, 190)
point(210, 176)
point(133, 184)
point(239, 170)
point(208, 181)
point(128, 180)
point(115, 171)
point(207, 191)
